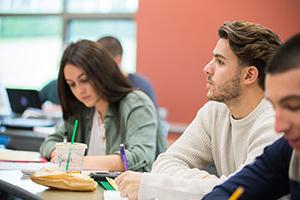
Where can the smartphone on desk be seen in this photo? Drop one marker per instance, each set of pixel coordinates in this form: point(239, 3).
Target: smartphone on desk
point(101, 176)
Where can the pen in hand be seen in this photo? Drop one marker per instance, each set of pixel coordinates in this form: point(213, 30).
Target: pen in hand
point(123, 156)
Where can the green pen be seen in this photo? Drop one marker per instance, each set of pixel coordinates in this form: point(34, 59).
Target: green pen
point(106, 185)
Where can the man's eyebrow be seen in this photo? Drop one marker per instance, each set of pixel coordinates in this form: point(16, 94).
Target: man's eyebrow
point(219, 56)
point(290, 97)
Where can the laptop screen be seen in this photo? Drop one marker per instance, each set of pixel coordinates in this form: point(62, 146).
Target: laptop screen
point(20, 99)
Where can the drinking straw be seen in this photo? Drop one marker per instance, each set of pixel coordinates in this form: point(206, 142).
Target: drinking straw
point(72, 142)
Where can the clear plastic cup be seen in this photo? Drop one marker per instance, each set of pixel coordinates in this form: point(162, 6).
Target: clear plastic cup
point(72, 152)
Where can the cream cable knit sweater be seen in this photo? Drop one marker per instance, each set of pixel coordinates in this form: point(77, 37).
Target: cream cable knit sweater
point(212, 137)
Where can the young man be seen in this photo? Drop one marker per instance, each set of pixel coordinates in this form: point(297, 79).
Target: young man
point(229, 131)
point(277, 172)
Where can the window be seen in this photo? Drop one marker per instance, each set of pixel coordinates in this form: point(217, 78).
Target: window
point(102, 6)
point(124, 30)
point(29, 50)
point(33, 33)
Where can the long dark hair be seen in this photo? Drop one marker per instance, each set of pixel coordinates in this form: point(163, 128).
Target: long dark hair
point(101, 70)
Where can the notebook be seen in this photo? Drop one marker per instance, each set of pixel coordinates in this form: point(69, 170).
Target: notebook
point(20, 99)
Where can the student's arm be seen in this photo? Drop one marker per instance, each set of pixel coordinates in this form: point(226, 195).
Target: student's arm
point(140, 133)
point(103, 163)
point(160, 186)
point(141, 144)
point(266, 178)
point(49, 144)
point(178, 172)
point(190, 153)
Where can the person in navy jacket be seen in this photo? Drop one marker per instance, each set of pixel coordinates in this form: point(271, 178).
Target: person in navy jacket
point(277, 171)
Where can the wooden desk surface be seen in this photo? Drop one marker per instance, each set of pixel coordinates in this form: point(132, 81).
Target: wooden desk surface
point(15, 177)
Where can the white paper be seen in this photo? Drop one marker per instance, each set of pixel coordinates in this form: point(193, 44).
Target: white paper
point(113, 195)
point(24, 166)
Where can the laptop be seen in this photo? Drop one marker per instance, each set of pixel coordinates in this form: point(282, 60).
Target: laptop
point(20, 100)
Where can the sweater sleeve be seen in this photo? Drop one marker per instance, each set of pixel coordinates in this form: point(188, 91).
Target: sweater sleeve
point(176, 173)
point(190, 152)
point(171, 188)
point(266, 178)
point(141, 134)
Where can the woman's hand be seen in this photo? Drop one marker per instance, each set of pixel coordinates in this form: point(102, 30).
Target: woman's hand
point(53, 156)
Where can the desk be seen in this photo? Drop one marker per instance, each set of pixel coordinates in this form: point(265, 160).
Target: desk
point(26, 140)
point(14, 177)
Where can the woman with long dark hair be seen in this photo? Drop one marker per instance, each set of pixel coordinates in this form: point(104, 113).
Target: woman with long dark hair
point(110, 112)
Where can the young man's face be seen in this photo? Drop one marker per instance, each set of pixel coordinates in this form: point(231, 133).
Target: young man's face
point(223, 74)
point(283, 90)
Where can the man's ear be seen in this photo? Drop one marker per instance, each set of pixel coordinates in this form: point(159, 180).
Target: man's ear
point(250, 75)
point(118, 59)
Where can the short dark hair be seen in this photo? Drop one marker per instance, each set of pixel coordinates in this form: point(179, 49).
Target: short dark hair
point(112, 45)
point(101, 71)
point(286, 58)
point(253, 44)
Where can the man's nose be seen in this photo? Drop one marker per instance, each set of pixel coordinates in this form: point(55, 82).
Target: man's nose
point(208, 68)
